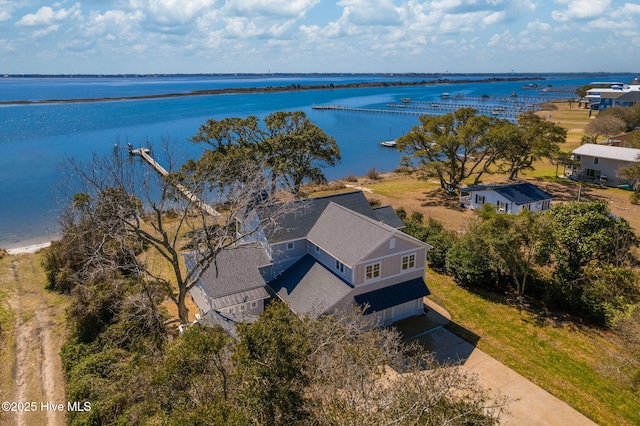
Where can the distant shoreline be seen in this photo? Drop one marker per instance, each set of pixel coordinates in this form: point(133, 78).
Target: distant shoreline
point(274, 89)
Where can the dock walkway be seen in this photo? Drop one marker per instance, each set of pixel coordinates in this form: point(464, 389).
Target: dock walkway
point(144, 153)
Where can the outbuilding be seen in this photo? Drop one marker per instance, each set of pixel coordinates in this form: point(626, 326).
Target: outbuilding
point(508, 198)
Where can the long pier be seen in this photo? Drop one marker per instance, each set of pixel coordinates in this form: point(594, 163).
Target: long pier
point(432, 108)
point(374, 110)
point(144, 153)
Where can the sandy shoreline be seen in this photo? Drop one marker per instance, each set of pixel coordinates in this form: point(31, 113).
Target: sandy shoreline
point(32, 248)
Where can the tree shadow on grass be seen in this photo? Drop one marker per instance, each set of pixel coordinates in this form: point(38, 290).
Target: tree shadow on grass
point(440, 198)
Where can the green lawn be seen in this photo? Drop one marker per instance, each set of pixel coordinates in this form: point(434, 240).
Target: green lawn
point(562, 358)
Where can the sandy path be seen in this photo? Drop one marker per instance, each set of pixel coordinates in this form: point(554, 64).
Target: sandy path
point(38, 335)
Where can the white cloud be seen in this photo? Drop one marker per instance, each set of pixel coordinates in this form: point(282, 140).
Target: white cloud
point(116, 24)
point(494, 18)
point(265, 8)
point(630, 8)
point(46, 16)
point(494, 40)
point(581, 10)
point(6, 9)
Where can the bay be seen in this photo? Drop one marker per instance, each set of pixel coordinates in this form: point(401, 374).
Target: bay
point(36, 138)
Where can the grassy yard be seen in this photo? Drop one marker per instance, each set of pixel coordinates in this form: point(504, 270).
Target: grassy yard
point(565, 359)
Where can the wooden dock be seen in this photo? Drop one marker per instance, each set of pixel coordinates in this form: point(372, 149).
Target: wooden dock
point(144, 153)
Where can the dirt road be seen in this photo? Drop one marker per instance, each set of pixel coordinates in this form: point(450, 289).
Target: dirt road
point(32, 372)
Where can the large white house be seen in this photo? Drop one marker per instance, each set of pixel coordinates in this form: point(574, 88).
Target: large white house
point(601, 163)
point(508, 198)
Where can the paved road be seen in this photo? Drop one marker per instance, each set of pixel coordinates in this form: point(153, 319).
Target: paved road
point(531, 404)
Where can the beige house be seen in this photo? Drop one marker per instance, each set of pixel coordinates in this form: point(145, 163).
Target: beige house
point(334, 252)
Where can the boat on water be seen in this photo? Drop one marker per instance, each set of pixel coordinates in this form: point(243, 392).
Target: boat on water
point(388, 144)
point(445, 95)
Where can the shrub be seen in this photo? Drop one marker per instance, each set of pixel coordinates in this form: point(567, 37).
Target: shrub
point(373, 174)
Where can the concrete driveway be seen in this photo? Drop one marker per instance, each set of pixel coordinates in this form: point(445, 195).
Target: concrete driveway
point(530, 405)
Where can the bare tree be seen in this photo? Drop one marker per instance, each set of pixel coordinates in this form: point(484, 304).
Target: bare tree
point(146, 220)
point(365, 375)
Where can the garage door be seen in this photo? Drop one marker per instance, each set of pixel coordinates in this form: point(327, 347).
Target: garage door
point(406, 310)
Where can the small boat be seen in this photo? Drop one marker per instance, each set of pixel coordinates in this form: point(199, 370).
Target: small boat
point(388, 144)
point(445, 95)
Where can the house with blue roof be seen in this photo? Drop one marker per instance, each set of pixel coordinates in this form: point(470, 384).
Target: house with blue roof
point(508, 198)
point(323, 256)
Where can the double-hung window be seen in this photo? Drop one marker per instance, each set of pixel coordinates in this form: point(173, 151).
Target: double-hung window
point(340, 266)
point(408, 262)
point(372, 271)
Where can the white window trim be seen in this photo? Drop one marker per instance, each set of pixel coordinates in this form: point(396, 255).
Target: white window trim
point(408, 256)
point(339, 266)
point(373, 277)
point(290, 245)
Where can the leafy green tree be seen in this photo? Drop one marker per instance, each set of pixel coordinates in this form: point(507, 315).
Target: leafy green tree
point(588, 251)
point(631, 173)
point(195, 382)
point(434, 234)
point(582, 232)
point(270, 366)
point(610, 293)
point(453, 146)
point(512, 242)
point(292, 148)
point(535, 138)
point(469, 262)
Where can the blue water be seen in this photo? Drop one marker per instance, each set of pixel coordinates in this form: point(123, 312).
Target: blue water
point(34, 139)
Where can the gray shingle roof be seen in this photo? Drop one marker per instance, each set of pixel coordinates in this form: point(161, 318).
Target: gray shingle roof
point(348, 236)
point(517, 193)
point(296, 225)
point(386, 214)
point(309, 288)
point(387, 297)
point(237, 271)
point(226, 320)
point(234, 299)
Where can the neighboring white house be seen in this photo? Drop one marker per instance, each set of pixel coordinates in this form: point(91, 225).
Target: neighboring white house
point(508, 198)
point(601, 163)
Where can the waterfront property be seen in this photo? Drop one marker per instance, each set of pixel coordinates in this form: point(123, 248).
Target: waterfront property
point(601, 163)
point(326, 255)
point(613, 94)
point(508, 198)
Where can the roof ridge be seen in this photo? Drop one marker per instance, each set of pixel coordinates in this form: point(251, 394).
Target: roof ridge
point(371, 220)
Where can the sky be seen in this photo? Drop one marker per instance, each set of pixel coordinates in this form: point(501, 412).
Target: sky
point(305, 36)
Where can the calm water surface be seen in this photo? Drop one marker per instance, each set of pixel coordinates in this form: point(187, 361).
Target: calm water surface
point(36, 138)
